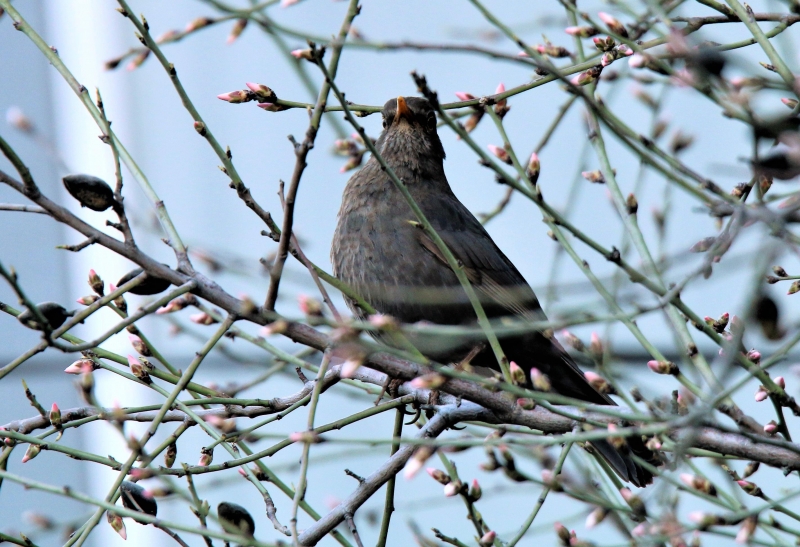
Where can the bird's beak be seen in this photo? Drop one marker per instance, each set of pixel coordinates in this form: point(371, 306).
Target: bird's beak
point(402, 110)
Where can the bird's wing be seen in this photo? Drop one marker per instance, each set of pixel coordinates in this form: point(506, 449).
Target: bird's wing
point(504, 292)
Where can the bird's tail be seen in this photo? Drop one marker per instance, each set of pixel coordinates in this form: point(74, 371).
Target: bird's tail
point(621, 461)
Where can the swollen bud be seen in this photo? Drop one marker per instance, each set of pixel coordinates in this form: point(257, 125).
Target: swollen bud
point(663, 367)
point(533, 169)
point(517, 374)
point(438, 475)
point(55, 416)
point(138, 369)
point(32, 452)
point(170, 454)
point(139, 345)
point(115, 521)
point(475, 491)
point(632, 204)
point(500, 153)
point(540, 381)
point(96, 283)
point(206, 457)
point(487, 540)
point(613, 24)
point(264, 93)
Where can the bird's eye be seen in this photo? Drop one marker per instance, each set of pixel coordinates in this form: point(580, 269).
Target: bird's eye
point(431, 120)
point(384, 122)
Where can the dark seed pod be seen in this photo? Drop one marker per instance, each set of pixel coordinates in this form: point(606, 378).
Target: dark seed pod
point(55, 314)
point(90, 191)
point(235, 518)
point(134, 498)
point(150, 285)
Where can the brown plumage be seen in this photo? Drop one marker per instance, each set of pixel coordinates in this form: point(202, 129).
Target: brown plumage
point(378, 250)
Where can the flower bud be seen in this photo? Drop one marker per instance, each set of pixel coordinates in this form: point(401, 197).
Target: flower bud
point(206, 457)
point(438, 475)
point(634, 502)
point(139, 345)
point(779, 271)
point(581, 32)
point(747, 530)
point(237, 30)
point(434, 380)
point(198, 23)
point(202, 318)
point(271, 107)
point(500, 153)
point(276, 327)
point(552, 51)
point(596, 346)
point(452, 488)
point(632, 204)
point(794, 287)
point(55, 416)
point(604, 44)
point(475, 491)
point(761, 394)
point(595, 176)
point(464, 96)
point(596, 517)
point(264, 93)
point(598, 382)
point(613, 24)
point(750, 488)
point(698, 483)
point(533, 169)
point(663, 367)
point(526, 404)
point(563, 533)
point(501, 107)
point(771, 428)
point(487, 539)
point(540, 381)
point(96, 283)
point(416, 461)
point(310, 306)
point(517, 374)
point(750, 469)
point(16, 118)
point(115, 521)
point(138, 369)
point(170, 454)
point(32, 452)
point(306, 54)
point(235, 97)
point(585, 78)
point(572, 340)
point(87, 300)
point(780, 381)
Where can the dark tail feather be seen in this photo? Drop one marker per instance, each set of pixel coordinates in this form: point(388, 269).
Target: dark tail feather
point(623, 464)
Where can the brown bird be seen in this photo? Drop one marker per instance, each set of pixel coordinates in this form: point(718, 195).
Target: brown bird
point(379, 250)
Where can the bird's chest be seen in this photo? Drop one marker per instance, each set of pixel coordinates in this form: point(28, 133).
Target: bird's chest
point(377, 244)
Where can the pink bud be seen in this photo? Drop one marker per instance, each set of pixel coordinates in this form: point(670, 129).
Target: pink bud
point(349, 367)
point(771, 428)
point(451, 489)
point(639, 530)
point(517, 374)
point(533, 169)
point(412, 468)
point(79, 366)
point(780, 381)
point(501, 153)
point(488, 538)
point(234, 97)
point(761, 394)
point(202, 318)
point(269, 107)
point(637, 60)
point(464, 96)
point(501, 88)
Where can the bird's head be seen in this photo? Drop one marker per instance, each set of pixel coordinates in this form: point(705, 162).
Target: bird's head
point(409, 134)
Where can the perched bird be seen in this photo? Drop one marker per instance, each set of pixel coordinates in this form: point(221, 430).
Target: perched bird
point(379, 250)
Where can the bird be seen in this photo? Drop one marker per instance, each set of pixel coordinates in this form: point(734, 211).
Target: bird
point(379, 250)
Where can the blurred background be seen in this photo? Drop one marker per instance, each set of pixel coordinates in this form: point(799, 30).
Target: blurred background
point(225, 242)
